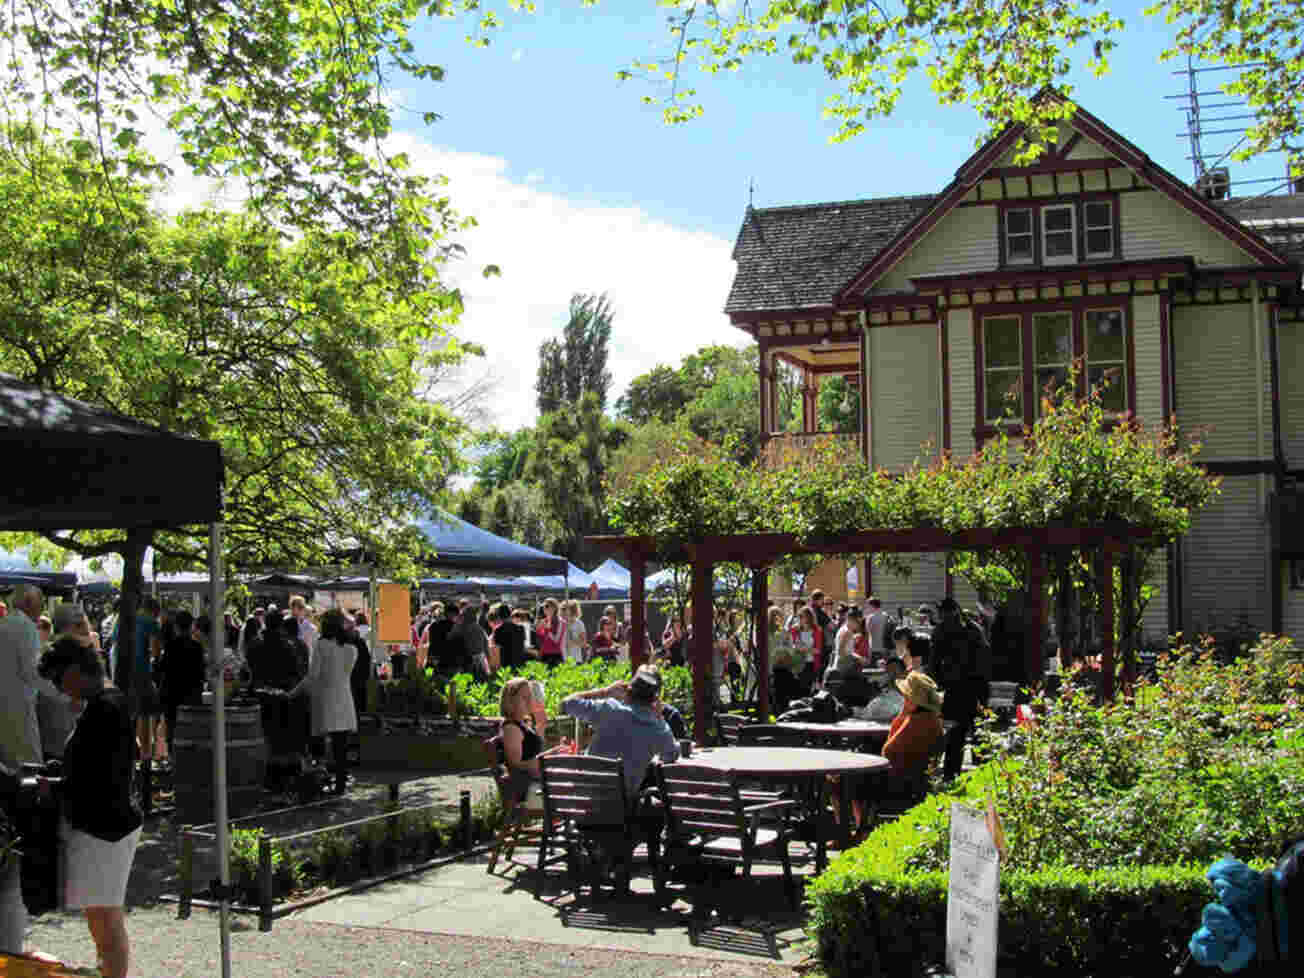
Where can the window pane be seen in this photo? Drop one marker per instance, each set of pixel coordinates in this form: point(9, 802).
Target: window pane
point(1018, 222)
point(1099, 214)
point(1057, 218)
point(1001, 342)
point(1059, 245)
point(1112, 380)
point(1003, 394)
point(1100, 242)
point(1018, 247)
point(1052, 337)
point(1104, 335)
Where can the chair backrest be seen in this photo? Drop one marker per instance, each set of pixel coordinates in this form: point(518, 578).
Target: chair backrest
point(700, 801)
point(586, 789)
point(728, 724)
point(770, 735)
point(493, 748)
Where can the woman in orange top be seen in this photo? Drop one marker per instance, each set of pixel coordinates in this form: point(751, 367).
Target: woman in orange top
point(914, 731)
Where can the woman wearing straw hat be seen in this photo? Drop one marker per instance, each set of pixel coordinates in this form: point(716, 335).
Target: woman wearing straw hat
point(914, 731)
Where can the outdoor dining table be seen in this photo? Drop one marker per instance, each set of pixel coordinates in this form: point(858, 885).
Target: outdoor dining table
point(850, 729)
point(797, 765)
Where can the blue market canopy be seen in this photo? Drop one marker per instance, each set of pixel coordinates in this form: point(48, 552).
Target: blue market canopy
point(664, 580)
point(85, 467)
point(574, 579)
point(283, 582)
point(16, 568)
point(461, 546)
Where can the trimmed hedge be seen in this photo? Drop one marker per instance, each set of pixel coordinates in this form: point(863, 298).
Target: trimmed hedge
point(871, 915)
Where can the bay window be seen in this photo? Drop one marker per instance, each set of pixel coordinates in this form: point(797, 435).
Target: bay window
point(1027, 354)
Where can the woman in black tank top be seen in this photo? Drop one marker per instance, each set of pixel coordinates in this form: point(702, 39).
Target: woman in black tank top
point(522, 744)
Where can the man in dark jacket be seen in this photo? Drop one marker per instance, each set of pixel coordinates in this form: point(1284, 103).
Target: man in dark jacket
point(361, 674)
point(962, 666)
point(509, 637)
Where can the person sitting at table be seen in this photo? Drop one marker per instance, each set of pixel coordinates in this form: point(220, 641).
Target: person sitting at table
point(901, 644)
point(919, 648)
point(887, 704)
point(916, 729)
point(522, 744)
point(626, 723)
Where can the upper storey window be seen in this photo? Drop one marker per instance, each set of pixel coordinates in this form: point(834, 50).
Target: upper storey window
point(1060, 232)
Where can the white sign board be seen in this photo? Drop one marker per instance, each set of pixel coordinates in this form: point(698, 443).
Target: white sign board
point(972, 898)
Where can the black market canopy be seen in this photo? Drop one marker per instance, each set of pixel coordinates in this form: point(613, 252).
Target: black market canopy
point(461, 546)
point(76, 466)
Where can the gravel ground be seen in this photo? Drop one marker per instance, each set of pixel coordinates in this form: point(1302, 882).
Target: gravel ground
point(164, 947)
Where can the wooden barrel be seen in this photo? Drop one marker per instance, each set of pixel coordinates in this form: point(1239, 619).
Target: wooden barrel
point(192, 762)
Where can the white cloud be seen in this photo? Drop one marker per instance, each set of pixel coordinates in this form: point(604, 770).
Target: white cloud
point(667, 284)
point(534, 176)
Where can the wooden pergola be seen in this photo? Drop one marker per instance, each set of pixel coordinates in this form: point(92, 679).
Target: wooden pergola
point(760, 551)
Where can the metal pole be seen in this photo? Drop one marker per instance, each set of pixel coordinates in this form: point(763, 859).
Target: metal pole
point(375, 613)
point(216, 647)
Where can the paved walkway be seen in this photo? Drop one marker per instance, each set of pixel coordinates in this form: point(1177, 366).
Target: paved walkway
point(456, 916)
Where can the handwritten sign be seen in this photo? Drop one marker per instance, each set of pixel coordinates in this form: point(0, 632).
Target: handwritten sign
point(972, 899)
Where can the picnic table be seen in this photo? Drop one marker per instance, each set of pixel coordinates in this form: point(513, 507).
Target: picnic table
point(796, 766)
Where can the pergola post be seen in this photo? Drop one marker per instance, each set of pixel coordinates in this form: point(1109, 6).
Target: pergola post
point(702, 646)
point(760, 607)
point(1106, 587)
point(637, 610)
point(1034, 663)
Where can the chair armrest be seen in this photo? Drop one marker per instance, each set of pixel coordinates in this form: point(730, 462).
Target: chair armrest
point(768, 806)
point(758, 797)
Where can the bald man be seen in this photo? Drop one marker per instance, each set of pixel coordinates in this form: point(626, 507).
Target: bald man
point(20, 648)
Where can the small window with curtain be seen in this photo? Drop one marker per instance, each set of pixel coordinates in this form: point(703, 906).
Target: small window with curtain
point(1105, 336)
point(1052, 341)
point(1098, 228)
point(1059, 234)
point(1002, 368)
point(1019, 236)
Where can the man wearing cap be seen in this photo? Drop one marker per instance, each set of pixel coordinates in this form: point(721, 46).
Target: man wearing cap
point(626, 723)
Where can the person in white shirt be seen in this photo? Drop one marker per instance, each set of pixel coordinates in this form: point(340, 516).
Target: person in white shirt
point(576, 637)
point(877, 623)
point(20, 735)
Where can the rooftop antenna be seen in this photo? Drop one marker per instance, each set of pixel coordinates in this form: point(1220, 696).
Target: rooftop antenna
point(1209, 174)
point(751, 191)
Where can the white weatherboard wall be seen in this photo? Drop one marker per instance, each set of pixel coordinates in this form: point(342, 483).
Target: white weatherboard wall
point(926, 582)
point(1149, 360)
point(1290, 366)
point(1153, 226)
point(1213, 350)
point(963, 241)
point(960, 354)
point(905, 394)
point(1224, 560)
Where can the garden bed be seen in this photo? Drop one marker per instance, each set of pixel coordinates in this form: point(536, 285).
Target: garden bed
point(272, 876)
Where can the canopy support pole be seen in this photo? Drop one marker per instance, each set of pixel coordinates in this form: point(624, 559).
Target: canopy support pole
point(703, 647)
point(216, 648)
point(637, 612)
point(374, 616)
point(761, 629)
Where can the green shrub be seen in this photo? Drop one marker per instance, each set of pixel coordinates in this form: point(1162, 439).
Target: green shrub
point(481, 698)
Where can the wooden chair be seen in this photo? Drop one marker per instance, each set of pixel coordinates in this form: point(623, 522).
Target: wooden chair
point(709, 822)
point(522, 824)
point(728, 725)
point(586, 797)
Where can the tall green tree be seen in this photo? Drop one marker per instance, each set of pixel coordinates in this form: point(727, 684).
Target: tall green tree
point(576, 365)
point(308, 367)
point(658, 395)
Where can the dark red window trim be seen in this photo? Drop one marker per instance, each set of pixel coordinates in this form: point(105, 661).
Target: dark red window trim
point(1079, 307)
point(1078, 202)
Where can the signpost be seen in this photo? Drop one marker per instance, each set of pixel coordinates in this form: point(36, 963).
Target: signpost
point(972, 899)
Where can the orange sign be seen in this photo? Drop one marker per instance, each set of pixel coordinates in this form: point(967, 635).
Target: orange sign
point(395, 612)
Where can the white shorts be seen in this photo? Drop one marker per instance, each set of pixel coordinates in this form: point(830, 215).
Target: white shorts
point(94, 871)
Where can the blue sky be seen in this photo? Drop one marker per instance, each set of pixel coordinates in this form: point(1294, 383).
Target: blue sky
point(579, 187)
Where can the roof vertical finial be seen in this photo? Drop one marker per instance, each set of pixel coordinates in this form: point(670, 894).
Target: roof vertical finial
point(751, 191)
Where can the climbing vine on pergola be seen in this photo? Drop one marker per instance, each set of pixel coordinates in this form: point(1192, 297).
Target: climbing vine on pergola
point(1083, 491)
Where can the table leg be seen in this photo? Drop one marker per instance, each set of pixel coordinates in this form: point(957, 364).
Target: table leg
point(845, 786)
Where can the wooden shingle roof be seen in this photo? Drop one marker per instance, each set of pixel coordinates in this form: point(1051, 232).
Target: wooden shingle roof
point(800, 256)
